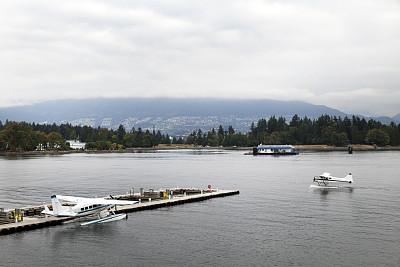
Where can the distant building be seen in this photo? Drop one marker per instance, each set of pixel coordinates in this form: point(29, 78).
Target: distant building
point(76, 144)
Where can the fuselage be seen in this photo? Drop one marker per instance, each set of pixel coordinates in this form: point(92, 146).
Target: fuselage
point(326, 178)
point(89, 209)
point(83, 206)
point(80, 210)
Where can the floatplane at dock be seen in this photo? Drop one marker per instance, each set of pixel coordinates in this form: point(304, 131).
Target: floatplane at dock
point(83, 206)
point(326, 180)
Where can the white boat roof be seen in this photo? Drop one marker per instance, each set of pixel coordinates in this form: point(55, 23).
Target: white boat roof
point(275, 146)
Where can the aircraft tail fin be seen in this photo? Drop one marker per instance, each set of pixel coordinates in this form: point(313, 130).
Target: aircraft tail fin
point(349, 178)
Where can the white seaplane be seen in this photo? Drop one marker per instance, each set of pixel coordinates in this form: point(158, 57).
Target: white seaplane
point(85, 207)
point(325, 180)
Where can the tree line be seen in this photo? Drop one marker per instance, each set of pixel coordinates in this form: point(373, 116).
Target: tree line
point(23, 136)
point(325, 130)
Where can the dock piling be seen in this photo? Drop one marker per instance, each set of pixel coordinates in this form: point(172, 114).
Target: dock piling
point(141, 192)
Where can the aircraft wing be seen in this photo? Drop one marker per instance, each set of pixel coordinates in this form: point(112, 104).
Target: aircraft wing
point(72, 199)
point(104, 201)
point(101, 201)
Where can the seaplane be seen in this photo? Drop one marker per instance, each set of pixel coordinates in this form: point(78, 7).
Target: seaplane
point(83, 206)
point(325, 180)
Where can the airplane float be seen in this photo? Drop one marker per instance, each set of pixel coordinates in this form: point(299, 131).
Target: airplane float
point(86, 206)
point(325, 180)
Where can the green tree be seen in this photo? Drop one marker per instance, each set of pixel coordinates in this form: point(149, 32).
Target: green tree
point(394, 134)
point(213, 141)
point(378, 137)
point(235, 140)
point(190, 140)
point(55, 140)
point(221, 134)
point(129, 140)
point(272, 125)
point(326, 134)
point(356, 136)
point(339, 139)
point(17, 137)
point(274, 138)
point(121, 133)
point(295, 121)
point(90, 146)
point(40, 139)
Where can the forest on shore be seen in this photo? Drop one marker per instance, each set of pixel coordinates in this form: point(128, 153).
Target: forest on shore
point(325, 130)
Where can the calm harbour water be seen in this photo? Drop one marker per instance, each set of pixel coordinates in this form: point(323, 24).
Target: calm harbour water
point(277, 220)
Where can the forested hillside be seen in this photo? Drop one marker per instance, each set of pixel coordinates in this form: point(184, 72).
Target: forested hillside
point(174, 116)
point(326, 130)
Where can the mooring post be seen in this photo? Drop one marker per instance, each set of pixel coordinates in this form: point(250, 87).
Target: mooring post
point(350, 149)
point(168, 191)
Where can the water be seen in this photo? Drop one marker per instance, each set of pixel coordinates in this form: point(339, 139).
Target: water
point(277, 220)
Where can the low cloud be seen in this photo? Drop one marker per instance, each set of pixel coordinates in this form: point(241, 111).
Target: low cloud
point(343, 54)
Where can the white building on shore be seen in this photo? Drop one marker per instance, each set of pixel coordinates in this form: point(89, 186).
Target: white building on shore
point(76, 144)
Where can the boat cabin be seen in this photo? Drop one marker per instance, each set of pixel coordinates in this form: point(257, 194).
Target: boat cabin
point(274, 150)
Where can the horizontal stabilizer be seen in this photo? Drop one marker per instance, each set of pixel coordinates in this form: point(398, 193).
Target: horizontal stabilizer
point(46, 210)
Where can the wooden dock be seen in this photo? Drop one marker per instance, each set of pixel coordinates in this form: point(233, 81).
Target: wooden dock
point(186, 196)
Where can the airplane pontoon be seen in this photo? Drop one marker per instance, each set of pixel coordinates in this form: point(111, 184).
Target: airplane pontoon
point(325, 180)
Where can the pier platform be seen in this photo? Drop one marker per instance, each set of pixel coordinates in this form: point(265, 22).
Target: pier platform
point(38, 220)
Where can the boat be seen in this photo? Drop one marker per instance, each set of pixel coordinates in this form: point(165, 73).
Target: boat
point(326, 180)
point(274, 150)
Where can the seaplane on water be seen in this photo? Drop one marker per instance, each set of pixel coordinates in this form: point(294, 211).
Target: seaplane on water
point(86, 206)
point(325, 180)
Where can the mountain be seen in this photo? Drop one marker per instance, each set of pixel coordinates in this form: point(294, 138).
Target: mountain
point(385, 120)
point(169, 115)
point(397, 117)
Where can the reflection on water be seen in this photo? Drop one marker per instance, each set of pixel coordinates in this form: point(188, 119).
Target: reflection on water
point(326, 191)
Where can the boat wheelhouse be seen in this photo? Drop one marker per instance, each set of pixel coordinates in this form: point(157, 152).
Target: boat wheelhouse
point(274, 150)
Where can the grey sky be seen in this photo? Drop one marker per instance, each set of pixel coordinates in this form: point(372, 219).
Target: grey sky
point(343, 54)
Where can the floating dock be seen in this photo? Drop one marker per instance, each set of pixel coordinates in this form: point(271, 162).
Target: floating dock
point(33, 218)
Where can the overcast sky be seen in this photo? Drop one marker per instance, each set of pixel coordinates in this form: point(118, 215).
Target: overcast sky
point(343, 54)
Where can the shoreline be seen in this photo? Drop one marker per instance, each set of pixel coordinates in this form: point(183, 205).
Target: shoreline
point(316, 148)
